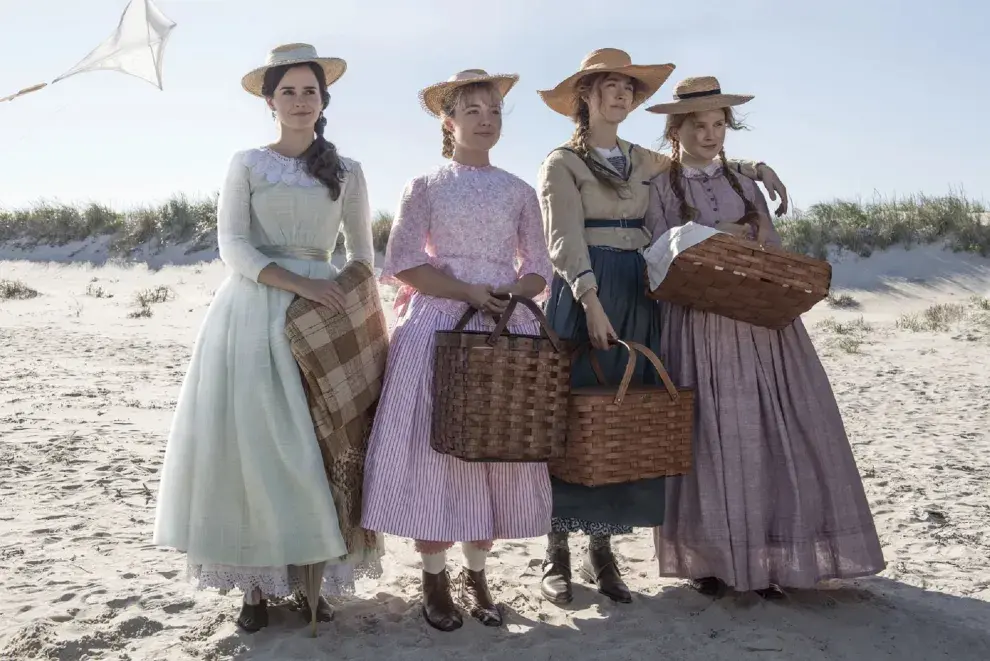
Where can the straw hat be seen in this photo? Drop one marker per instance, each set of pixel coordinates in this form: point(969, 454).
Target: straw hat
point(333, 67)
point(432, 97)
point(563, 97)
point(697, 95)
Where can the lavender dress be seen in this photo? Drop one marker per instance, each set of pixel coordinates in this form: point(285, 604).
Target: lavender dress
point(775, 496)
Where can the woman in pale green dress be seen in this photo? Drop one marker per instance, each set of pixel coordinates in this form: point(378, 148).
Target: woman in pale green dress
point(243, 489)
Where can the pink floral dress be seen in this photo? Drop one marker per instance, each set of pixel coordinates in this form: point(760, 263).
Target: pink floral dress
point(483, 226)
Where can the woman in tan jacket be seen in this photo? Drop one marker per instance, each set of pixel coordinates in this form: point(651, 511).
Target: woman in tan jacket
point(594, 191)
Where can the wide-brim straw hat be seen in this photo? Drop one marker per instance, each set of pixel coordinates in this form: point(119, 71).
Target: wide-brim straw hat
point(432, 98)
point(698, 94)
point(288, 54)
point(564, 97)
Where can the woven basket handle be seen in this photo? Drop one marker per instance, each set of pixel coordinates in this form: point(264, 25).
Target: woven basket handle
point(503, 320)
point(633, 348)
point(502, 323)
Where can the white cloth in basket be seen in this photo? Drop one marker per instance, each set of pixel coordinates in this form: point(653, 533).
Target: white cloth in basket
point(669, 245)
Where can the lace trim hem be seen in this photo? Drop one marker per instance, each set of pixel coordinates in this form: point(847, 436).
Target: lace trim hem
point(338, 579)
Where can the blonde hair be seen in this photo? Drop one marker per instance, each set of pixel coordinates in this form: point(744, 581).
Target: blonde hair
point(455, 100)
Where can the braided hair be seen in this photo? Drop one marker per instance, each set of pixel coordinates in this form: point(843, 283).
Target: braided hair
point(321, 159)
point(687, 212)
point(585, 87)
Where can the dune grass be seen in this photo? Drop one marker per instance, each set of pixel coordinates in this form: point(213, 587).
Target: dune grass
point(860, 227)
point(939, 317)
point(15, 290)
point(178, 221)
point(846, 336)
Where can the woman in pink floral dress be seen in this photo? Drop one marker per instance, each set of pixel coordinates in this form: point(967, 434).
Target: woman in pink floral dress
point(455, 243)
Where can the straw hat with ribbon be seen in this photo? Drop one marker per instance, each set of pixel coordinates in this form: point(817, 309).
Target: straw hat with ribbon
point(432, 98)
point(333, 67)
point(697, 95)
point(564, 97)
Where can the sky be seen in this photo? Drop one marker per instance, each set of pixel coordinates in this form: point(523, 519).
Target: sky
point(854, 99)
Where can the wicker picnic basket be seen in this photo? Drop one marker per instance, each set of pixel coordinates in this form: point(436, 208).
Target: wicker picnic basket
point(627, 433)
point(499, 396)
point(740, 279)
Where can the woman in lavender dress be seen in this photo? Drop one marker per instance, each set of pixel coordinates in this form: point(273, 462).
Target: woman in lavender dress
point(457, 237)
point(774, 499)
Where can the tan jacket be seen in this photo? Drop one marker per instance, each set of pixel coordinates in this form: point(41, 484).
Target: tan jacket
point(570, 194)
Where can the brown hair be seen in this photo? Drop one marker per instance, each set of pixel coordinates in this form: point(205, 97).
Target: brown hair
point(674, 122)
point(321, 158)
point(585, 87)
point(452, 102)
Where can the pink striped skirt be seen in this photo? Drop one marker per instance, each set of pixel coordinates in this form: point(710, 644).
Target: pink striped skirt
point(412, 491)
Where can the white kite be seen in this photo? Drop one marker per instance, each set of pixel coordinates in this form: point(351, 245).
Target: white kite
point(136, 47)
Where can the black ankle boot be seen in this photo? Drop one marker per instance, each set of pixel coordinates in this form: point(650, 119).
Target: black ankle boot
point(556, 583)
point(324, 611)
point(710, 586)
point(253, 617)
point(772, 593)
point(600, 569)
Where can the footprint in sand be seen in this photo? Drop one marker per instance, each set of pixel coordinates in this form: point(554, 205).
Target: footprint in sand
point(178, 607)
point(122, 602)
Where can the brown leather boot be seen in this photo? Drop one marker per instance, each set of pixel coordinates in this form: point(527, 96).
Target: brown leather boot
point(477, 600)
point(600, 569)
point(438, 606)
point(556, 584)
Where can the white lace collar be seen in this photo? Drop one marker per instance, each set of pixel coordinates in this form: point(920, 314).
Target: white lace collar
point(709, 170)
point(276, 168)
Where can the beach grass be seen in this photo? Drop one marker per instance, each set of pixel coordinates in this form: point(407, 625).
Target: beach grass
point(857, 226)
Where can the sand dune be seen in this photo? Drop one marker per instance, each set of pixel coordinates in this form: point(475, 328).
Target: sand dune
point(86, 395)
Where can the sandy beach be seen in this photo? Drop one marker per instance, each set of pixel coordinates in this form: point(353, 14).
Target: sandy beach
point(90, 376)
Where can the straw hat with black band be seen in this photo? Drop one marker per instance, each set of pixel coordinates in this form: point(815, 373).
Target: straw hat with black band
point(564, 97)
point(290, 54)
point(432, 98)
point(698, 94)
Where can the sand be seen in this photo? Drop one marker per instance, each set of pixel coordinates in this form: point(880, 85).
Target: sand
point(86, 396)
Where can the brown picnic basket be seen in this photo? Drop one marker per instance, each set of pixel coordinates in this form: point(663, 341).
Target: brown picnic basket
point(746, 281)
point(628, 432)
point(500, 396)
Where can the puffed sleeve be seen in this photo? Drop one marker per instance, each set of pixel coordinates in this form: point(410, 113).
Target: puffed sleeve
point(356, 222)
point(533, 255)
point(563, 224)
point(234, 222)
point(410, 232)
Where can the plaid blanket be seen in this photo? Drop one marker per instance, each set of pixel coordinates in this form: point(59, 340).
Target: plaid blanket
point(342, 361)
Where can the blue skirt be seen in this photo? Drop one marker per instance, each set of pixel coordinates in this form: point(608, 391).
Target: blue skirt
point(612, 509)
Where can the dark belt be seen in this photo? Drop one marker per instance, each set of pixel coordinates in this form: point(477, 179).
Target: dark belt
point(621, 223)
